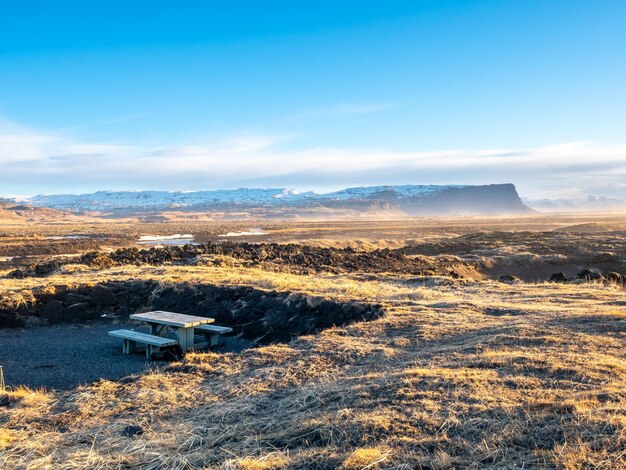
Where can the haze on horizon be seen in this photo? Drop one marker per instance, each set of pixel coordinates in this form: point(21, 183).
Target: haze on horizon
point(208, 95)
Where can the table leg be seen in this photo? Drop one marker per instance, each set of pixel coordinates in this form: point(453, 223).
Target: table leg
point(157, 329)
point(129, 346)
point(185, 338)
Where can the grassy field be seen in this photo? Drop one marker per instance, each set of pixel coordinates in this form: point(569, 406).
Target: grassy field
point(455, 374)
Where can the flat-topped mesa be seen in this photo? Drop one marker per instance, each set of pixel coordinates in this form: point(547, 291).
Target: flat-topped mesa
point(407, 199)
point(490, 199)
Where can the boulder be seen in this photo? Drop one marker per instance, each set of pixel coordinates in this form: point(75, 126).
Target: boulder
point(508, 278)
point(17, 274)
point(558, 277)
point(590, 275)
point(103, 296)
point(615, 278)
point(53, 311)
point(132, 430)
point(80, 311)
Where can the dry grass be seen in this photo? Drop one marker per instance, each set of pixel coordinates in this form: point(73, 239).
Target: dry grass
point(455, 375)
point(369, 457)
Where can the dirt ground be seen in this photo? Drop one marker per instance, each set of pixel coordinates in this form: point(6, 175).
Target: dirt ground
point(62, 357)
point(60, 237)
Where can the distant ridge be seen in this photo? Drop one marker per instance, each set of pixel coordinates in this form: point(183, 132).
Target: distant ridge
point(407, 199)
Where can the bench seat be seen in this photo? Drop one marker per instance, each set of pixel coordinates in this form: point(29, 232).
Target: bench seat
point(213, 332)
point(131, 338)
point(220, 330)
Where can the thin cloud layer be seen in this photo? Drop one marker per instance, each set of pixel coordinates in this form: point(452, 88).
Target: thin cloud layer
point(37, 159)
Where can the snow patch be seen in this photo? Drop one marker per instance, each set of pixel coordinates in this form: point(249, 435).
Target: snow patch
point(154, 238)
point(251, 232)
point(171, 240)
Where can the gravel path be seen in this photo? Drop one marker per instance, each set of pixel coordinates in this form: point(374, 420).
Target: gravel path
point(64, 356)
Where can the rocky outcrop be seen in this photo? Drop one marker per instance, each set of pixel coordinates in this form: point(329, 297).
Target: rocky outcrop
point(558, 277)
point(254, 314)
point(301, 259)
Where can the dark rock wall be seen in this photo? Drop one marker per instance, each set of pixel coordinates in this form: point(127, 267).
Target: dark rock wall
point(262, 316)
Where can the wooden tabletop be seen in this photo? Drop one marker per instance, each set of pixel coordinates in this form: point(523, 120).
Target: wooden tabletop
point(178, 320)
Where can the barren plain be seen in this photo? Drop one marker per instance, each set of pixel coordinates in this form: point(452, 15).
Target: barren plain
point(420, 343)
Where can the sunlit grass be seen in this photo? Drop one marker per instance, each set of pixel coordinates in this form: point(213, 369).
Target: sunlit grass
point(455, 374)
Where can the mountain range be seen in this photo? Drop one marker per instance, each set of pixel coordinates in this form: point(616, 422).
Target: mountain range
point(408, 200)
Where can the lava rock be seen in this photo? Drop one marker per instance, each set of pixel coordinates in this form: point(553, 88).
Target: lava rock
point(257, 315)
point(80, 311)
point(17, 274)
point(103, 296)
point(615, 278)
point(590, 275)
point(291, 258)
point(558, 277)
point(275, 318)
point(508, 278)
point(132, 431)
point(72, 298)
point(5, 400)
point(53, 310)
point(173, 354)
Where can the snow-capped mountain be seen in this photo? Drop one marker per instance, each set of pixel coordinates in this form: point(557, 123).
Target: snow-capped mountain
point(112, 200)
point(410, 199)
point(409, 190)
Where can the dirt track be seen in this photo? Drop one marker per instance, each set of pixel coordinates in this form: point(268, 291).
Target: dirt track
point(64, 356)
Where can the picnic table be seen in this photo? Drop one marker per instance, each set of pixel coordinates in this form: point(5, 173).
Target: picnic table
point(160, 321)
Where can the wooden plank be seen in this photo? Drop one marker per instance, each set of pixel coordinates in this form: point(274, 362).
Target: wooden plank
point(185, 338)
point(158, 329)
point(213, 332)
point(150, 350)
point(136, 336)
point(129, 346)
point(220, 330)
point(177, 320)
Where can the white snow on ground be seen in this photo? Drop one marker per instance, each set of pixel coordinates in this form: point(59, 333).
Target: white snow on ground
point(176, 239)
point(155, 238)
point(252, 232)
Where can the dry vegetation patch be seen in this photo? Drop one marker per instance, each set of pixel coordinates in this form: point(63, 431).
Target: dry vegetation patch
point(438, 382)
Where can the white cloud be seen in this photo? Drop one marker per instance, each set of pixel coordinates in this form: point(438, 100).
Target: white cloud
point(35, 159)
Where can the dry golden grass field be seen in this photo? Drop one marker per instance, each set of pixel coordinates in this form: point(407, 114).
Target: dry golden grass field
point(461, 369)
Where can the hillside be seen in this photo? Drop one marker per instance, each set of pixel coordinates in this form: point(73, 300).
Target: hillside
point(15, 213)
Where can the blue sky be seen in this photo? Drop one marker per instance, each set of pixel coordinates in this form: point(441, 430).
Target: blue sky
point(313, 95)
